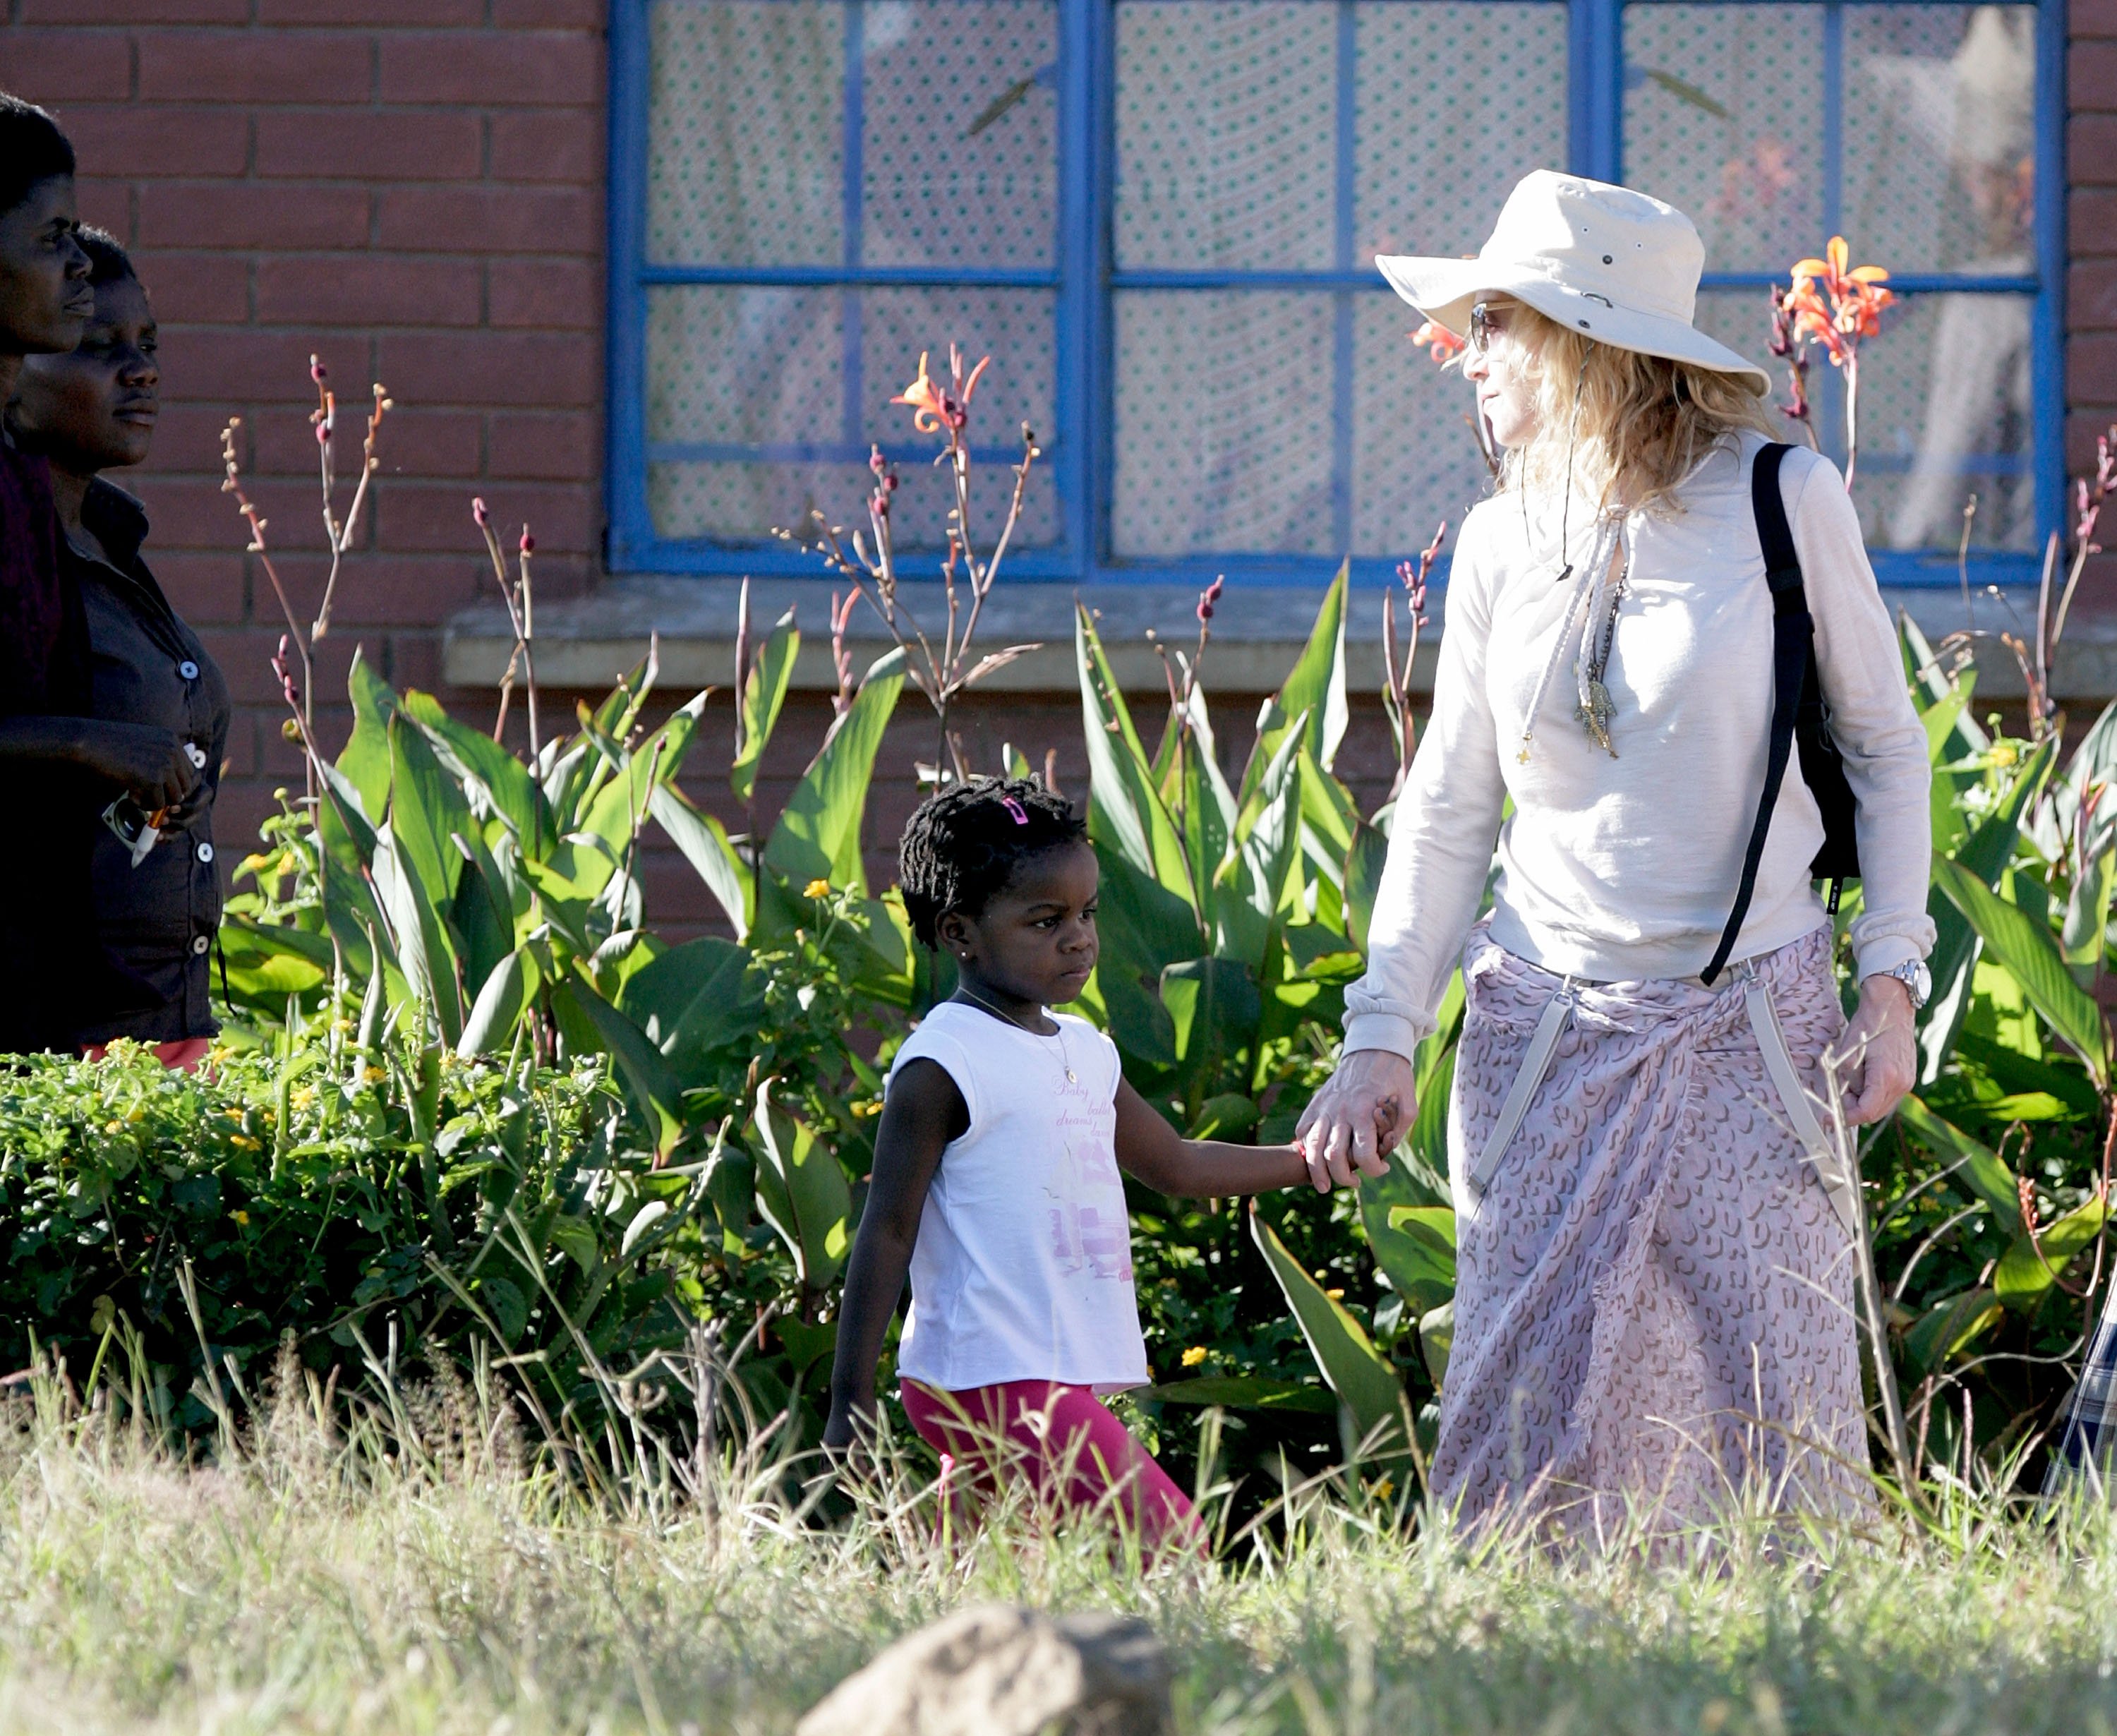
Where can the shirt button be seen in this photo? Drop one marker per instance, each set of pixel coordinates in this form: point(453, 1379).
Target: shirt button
point(205, 852)
point(195, 754)
point(199, 942)
point(188, 670)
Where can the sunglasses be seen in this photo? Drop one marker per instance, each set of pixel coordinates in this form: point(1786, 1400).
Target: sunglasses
point(1485, 319)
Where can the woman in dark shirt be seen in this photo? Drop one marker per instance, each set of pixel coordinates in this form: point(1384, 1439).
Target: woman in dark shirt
point(44, 301)
point(95, 409)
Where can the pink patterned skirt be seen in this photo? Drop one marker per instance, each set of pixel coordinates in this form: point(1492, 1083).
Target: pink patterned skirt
point(1654, 1304)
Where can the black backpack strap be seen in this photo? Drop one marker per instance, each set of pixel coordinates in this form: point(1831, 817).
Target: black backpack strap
point(1794, 634)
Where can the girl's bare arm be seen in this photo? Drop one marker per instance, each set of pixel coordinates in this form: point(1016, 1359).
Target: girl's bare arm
point(1150, 1151)
point(922, 1113)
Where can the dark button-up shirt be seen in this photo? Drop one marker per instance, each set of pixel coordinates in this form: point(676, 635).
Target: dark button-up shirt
point(44, 913)
point(155, 922)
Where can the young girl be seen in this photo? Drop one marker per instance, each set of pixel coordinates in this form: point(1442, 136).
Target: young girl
point(996, 1178)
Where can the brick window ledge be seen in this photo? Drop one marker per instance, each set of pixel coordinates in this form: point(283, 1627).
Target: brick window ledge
point(584, 643)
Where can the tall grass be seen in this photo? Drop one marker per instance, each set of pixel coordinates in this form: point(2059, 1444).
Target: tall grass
point(416, 1561)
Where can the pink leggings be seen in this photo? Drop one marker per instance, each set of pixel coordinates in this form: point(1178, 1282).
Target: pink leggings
point(1068, 1443)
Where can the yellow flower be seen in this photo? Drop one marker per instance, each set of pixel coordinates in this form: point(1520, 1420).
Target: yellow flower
point(867, 1109)
point(243, 1141)
point(1195, 1355)
point(817, 889)
point(1335, 1295)
point(114, 1127)
point(240, 1218)
point(373, 1075)
point(305, 1097)
point(1384, 1489)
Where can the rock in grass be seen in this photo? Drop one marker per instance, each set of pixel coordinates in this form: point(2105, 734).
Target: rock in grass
point(997, 1670)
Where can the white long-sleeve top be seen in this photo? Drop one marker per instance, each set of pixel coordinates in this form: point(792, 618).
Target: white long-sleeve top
point(1619, 869)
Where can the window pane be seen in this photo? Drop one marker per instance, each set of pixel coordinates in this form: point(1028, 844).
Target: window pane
point(1940, 117)
point(1456, 103)
point(1723, 118)
point(1223, 423)
point(744, 366)
point(1944, 413)
point(1226, 118)
point(1415, 458)
point(760, 377)
point(959, 148)
point(744, 160)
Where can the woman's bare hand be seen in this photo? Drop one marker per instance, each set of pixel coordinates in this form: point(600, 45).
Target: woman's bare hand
point(1354, 1122)
point(1876, 1059)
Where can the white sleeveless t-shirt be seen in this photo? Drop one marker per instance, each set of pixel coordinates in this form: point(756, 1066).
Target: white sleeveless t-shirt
point(1022, 1269)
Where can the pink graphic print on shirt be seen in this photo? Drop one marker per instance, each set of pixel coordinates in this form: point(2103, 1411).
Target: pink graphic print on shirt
point(1090, 1232)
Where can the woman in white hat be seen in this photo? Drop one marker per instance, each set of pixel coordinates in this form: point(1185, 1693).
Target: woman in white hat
point(1657, 1250)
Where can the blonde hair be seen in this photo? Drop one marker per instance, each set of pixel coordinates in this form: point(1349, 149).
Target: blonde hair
point(1638, 425)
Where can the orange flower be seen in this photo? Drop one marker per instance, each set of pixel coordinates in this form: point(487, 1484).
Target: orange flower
point(1439, 342)
point(937, 409)
point(1854, 304)
point(925, 399)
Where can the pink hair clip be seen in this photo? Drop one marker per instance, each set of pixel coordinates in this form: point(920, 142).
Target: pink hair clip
point(1020, 813)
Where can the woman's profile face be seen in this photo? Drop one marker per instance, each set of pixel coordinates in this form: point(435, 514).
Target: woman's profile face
point(1500, 370)
point(95, 407)
point(44, 296)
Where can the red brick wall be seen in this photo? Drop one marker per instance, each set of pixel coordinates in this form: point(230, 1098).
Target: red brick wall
point(413, 190)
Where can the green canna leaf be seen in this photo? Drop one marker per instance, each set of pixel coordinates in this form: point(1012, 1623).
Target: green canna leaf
point(801, 1190)
point(649, 1081)
point(1984, 1175)
point(1244, 1392)
point(818, 836)
point(2017, 941)
point(1311, 704)
point(2028, 1270)
point(1950, 1327)
point(705, 846)
point(764, 692)
point(1365, 1383)
point(491, 777)
point(489, 1028)
point(1125, 810)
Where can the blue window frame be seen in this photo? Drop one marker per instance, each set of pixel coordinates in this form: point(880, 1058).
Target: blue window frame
point(1158, 215)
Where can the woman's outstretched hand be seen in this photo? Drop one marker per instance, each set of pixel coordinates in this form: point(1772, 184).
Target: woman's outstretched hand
point(1877, 1057)
point(1355, 1121)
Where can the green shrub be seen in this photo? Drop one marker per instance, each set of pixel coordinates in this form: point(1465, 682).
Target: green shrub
point(371, 1205)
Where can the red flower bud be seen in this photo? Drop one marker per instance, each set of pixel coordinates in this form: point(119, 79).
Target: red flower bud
point(477, 511)
point(317, 371)
point(528, 541)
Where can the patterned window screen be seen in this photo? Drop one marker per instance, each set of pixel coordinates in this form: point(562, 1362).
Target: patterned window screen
point(1267, 399)
point(826, 176)
point(1910, 130)
point(1159, 217)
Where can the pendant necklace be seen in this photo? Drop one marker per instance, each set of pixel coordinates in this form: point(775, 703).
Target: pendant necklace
point(1058, 1031)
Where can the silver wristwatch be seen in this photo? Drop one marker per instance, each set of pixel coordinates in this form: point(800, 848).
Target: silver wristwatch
point(1917, 981)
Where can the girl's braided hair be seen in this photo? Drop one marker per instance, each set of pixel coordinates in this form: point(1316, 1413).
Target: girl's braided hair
point(962, 845)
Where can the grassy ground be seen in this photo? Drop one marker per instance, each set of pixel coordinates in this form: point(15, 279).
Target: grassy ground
point(418, 1577)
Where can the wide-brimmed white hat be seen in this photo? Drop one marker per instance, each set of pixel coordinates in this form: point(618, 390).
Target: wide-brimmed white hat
point(1613, 263)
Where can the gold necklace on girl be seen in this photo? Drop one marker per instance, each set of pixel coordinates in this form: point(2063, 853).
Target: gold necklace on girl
point(1058, 1030)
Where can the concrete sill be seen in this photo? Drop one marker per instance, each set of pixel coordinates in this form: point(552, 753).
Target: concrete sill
point(584, 643)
